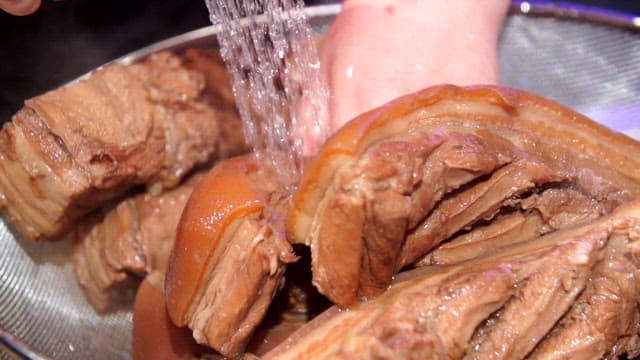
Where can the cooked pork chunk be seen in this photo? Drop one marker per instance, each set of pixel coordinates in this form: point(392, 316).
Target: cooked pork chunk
point(395, 183)
point(519, 237)
point(501, 305)
point(230, 256)
point(69, 150)
point(603, 322)
point(113, 250)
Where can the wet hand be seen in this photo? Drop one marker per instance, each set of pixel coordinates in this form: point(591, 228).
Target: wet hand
point(377, 50)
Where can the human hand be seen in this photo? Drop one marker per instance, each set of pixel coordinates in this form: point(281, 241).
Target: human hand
point(20, 7)
point(377, 50)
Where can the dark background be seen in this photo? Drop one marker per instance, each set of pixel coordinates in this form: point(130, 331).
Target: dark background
point(67, 38)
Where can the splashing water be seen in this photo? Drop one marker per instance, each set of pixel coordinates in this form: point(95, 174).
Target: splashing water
point(269, 50)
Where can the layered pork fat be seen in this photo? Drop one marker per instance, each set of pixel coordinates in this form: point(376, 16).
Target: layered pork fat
point(238, 293)
point(69, 150)
point(394, 183)
point(520, 220)
point(603, 323)
point(230, 256)
point(501, 305)
point(113, 250)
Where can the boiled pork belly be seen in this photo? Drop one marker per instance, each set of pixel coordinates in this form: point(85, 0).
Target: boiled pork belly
point(229, 257)
point(570, 294)
point(118, 246)
point(69, 150)
point(396, 182)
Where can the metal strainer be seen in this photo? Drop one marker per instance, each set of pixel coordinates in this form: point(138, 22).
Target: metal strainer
point(586, 59)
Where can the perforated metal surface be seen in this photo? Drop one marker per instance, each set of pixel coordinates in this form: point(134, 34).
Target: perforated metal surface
point(590, 66)
point(41, 304)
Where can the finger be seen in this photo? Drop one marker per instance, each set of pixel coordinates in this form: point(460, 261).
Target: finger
point(20, 7)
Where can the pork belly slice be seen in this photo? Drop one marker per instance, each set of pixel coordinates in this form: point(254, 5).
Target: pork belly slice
point(365, 219)
point(406, 319)
point(549, 290)
point(504, 229)
point(522, 220)
point(500, 305)
point(603, 323)
point(237, 294)
point(481, 201)
point(514, 331)
point(229, 257)
point(114, 249)
point(70, 149)
point(395, 182)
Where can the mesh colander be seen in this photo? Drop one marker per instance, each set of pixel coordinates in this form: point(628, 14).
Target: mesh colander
point(582, 57)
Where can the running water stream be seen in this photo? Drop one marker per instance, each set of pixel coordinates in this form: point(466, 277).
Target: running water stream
point(270, 52)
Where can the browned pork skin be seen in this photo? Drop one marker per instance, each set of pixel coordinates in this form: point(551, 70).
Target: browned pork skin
point(229, 257)
point(112, 251)
point(69, 150)
point(498, 306)
point(397, 181)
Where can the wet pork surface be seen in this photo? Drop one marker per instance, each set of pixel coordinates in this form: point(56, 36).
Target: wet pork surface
point(503, 305)
point(71, 149)
point(116, 248)
point(405, 196)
